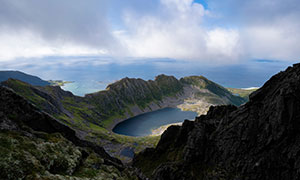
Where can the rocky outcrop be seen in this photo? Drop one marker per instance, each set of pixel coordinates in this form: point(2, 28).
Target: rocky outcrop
point(258, 140)
point(130, 92)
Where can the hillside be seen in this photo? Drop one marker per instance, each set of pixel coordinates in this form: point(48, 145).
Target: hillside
point(94, 115)
point(244, 93)
point(258, 140)
point(33, 80)
point(35, 145)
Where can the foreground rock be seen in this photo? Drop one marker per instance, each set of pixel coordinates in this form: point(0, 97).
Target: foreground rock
point(34, 145)
point(258, 140)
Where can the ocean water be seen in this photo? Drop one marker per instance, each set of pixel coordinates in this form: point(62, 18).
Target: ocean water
point(143, 124)
point(91, 74)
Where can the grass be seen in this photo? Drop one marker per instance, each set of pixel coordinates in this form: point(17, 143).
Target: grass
point(50, 156)
point(88, 116)
point(244, 93)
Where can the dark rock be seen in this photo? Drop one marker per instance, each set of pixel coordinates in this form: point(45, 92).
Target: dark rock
point(258, 140)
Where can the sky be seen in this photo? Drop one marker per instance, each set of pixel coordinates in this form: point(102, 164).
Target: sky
point(214, 32)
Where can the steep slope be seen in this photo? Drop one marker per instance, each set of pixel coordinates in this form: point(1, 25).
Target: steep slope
point(33, 80)
point(79, 114)
point(35, 145)
point(258, 140)
point(130, 97)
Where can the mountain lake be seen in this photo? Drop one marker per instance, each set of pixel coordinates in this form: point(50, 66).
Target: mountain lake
point(142, 125)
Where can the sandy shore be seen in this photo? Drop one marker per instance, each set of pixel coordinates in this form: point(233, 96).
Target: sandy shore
point(161, 129)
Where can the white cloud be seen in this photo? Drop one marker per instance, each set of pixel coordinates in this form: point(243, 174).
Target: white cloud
point(268, 29)
point(178, 32)
point(224, 43)
point(26, 44)
point(229, 32)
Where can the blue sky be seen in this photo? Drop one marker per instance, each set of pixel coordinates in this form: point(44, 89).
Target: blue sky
point(211, 32)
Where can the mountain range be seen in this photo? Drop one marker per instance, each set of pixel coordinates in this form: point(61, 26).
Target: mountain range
point(94, 115)
point(258, 140)
point(47, 132)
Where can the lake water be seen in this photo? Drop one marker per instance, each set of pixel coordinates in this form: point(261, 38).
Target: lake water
point(143, 124)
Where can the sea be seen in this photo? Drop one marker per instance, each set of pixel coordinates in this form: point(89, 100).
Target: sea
point(91, 74)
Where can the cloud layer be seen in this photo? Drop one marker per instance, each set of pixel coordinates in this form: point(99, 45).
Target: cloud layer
point(222, 32)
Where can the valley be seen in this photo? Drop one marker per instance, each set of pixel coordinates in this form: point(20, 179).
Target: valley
point(79, 129)
point(95, 115)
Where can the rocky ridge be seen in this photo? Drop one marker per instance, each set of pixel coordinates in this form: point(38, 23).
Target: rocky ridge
point(258, 140)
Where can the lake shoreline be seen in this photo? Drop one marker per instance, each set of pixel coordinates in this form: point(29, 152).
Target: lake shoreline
point(153, 123)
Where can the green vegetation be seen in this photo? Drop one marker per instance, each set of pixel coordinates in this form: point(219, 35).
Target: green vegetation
point(219, 93)
point(25, 90)
point(50, 156)
point(244, 93)
point(58, 82)
point(80, 114)
point(95, 113)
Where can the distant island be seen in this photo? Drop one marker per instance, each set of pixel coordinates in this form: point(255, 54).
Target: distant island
point(59, 82)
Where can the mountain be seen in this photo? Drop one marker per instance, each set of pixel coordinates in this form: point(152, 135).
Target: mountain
point(258, 140)
point(94, 115)
point(33, 80)
point(124, 99)
point(212, 92)
point(35, 145)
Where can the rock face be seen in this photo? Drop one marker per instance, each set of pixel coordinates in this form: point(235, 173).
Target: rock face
point(258, 140)
point(120, 96)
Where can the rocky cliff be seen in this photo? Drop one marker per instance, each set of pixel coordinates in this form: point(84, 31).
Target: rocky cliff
point(258, 140)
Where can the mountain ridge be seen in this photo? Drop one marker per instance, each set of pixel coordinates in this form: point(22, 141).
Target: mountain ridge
point(258, 140)
point(96, 114)
point(123, 99)
point(35, 145)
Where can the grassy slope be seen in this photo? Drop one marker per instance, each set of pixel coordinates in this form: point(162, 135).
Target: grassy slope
point(217, 92)
point(83, 117)
point(244, 93)
point(84, 113)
